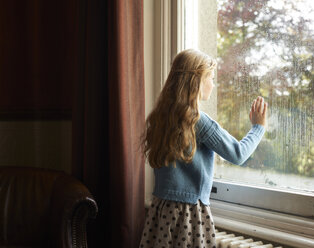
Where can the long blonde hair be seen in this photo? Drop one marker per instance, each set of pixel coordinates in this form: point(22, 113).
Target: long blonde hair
point(170, 134)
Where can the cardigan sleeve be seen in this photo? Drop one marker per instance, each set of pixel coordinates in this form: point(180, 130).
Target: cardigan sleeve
point(214, 137)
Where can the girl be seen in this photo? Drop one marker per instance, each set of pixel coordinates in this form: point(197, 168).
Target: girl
point(179, 143)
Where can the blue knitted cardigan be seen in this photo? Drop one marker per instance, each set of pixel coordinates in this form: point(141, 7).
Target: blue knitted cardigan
point(190, 182)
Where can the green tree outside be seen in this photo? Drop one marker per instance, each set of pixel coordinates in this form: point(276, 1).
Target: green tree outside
point(267, 48)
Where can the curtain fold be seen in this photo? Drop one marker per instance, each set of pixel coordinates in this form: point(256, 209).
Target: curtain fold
point(126, 107)
point(109, 116)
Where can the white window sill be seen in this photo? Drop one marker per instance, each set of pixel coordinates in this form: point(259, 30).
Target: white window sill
point(284, 229)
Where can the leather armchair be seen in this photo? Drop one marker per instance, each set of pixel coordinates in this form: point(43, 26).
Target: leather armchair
point(43, 208)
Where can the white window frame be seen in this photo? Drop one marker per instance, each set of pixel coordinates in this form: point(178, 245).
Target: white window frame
point(234, 205)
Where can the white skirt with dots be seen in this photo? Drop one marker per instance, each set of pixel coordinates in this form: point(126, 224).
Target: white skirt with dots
point(171, 224)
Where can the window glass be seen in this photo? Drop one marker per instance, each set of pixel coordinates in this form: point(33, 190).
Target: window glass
point(265, 47)
point(191, 24)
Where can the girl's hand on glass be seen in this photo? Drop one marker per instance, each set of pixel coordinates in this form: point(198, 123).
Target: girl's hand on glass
point(258, 113)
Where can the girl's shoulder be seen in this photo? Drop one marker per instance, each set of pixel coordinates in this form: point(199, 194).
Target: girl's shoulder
point(206, 119)
point(206, 123)
point(204, 115)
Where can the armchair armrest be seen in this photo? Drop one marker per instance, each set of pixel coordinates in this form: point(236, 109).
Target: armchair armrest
point(71, 207)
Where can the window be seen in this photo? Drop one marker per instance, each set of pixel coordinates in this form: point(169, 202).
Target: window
point(263, 48)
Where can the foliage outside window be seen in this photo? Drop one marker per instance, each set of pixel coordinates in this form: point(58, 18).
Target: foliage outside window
point(266, 47)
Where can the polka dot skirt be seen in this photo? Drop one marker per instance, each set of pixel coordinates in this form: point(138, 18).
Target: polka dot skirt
point(172, 224)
